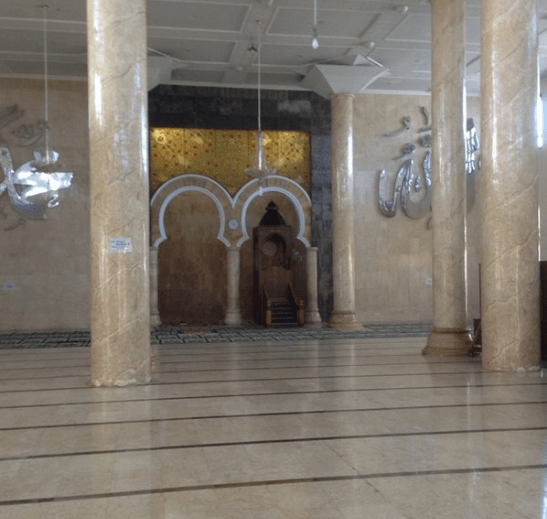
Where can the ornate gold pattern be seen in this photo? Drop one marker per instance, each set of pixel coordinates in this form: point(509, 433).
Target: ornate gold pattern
point(223, 155)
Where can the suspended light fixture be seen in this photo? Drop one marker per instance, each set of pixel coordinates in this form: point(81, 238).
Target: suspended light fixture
point(260, 167)
point(50, 156)
point(314, 37)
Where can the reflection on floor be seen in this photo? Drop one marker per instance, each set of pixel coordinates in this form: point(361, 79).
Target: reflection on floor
point(341, 428)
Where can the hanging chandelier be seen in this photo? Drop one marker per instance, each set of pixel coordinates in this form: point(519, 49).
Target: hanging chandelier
point(260, 168)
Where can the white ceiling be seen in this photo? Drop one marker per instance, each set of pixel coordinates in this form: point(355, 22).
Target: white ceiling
point(365, 45)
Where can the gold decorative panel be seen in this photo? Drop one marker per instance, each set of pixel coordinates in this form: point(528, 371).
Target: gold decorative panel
point(223, 155)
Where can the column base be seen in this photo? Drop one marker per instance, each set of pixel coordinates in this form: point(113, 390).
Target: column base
point(448, 343)
point(313, 320)
point(344, 321)
point(233, 319)
point(155, 321)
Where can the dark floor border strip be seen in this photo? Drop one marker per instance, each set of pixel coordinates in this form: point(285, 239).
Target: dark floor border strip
point(248, 484)
point(266, 368)
point(413, 354)
point(300, 357)
point(281, 393)
point(282, 379)
point(431, 362)
point(274, 442)
point(259, 415)
point(292, 349)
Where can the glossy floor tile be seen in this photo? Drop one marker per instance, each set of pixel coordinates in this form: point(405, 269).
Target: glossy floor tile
point(342, 429)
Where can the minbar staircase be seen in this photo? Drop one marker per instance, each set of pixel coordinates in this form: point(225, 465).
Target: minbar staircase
point(283, 313)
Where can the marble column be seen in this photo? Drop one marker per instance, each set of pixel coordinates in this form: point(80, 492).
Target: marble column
point(312, 311)
point(343, 255)
point(450, 335)
point(118, 134)
point(155, 320)
point(233, 312)
point(509, 185)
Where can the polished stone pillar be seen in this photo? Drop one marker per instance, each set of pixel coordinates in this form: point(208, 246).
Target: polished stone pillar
point(450, 335)
point(233, 312)
point(312, 311)
point(343, 255)
point(509, 185)
point(155, 320)
point(118, 134)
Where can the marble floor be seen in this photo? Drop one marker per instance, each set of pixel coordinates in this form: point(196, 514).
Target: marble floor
point(326, 429)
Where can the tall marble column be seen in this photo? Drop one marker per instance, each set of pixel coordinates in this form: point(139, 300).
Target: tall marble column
point(120, 307)
point(450, 335)
point(312, 311)
point(155, 320)
point(233, 312)
point(343, 255)
point(509, 185)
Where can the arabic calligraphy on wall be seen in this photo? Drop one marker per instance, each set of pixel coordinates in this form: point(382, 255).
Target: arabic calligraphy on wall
point(32, 187)
point(411, 188)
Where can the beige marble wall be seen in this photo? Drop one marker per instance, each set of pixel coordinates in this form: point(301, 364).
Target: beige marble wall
point(393, 265)
point(47, 261)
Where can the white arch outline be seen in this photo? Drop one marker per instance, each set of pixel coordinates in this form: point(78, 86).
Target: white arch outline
point(290, 196)
point(193, 176)
point(175, 193)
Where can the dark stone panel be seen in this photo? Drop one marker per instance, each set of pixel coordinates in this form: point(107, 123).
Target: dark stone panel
point(231, 108)
point(321, 197)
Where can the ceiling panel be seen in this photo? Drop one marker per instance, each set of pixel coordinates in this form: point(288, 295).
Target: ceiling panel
point(33, 41)
point(194, 50)
point(269, 79)
point(197, 15)
point(404, 59)
point(414, 27)
point(208, 40)
point(301, 55)
point(331, 23)
point(473, 31)
point(36, 68)
point(197, 76)
point(70, 10)
point(394, 85)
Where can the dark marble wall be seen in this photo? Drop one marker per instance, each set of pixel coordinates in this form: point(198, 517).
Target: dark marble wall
point(207, 107)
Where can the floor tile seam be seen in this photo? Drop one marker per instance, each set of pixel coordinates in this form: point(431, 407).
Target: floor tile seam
point(264, 368)
point(279, 441)
point(183, 350)
point(303, 358)
point(230, 358)
point(410, 351)
point(272, 414)
point(422, 361)
point(273, 482)
point(243, 380)
point(10, 369)
point(193, 397)
point(170, 399)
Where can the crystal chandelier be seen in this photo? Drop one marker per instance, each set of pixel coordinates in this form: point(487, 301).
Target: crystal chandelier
point(260, 167)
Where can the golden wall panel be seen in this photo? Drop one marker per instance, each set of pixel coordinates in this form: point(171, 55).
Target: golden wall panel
point(223, 155)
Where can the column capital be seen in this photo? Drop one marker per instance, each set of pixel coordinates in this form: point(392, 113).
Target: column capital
point(342, 95)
